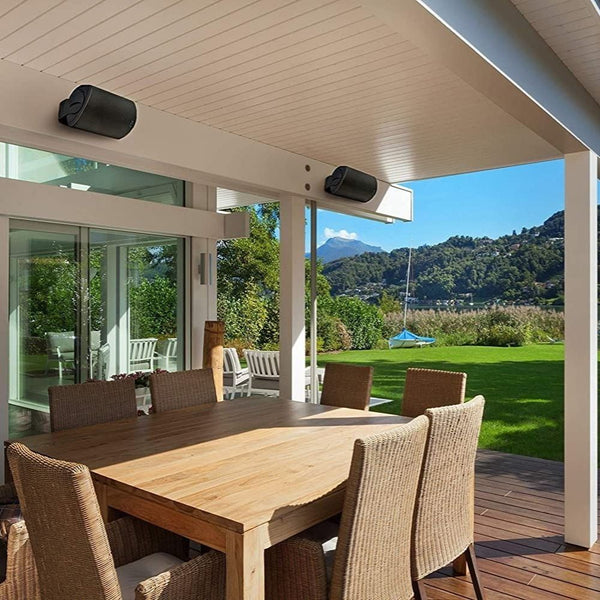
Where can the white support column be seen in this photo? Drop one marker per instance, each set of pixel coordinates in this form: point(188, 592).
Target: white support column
point(291, 309)
point(314, 379)
point(581, 349)
point(4, 316)
point(202, 299)
point(123, 312)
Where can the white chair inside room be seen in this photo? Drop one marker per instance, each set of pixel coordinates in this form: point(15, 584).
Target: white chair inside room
point(166, 354)
point(99, 362)
point(235, 377)
point(142, 355)
point(60, 349)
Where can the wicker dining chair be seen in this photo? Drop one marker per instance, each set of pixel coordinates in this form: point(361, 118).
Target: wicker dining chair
point(372, 557)
point(171, 391)
point(91, 403)
point(18, 577)
point(444, 511)
point(430, 388)
point(78, 557)
point(347, 386)
point(21, 579)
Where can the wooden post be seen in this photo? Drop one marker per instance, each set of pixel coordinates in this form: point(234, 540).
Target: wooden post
point(212, 357)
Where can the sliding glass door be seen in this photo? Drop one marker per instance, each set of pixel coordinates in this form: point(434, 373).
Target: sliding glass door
point(44, 329)
point(89, 304)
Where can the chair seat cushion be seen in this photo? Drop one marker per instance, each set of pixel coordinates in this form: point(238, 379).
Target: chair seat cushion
point(270, 383)
point(241, 378)
point(9, 513)
point(133, 573)
point(326, 534)
point(265, 383)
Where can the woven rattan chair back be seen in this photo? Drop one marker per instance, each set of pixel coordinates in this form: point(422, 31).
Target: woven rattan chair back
point(347, 385)
point(68, 538)
point(372, 559)
point(171, 391)
point(430, 388)
point(91, 403)
point(443, 525)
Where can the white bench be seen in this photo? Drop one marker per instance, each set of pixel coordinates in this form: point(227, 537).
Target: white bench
point(263, 369)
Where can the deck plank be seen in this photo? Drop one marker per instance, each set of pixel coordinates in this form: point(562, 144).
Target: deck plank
point(521, 552)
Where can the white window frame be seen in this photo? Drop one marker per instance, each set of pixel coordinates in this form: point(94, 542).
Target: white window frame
point(198, 224)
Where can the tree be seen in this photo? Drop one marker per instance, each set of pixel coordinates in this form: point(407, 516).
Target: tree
point(248, 280)
point(153, 305)
point(389, 304)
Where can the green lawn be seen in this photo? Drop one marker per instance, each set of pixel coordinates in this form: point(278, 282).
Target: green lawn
point(523, 388)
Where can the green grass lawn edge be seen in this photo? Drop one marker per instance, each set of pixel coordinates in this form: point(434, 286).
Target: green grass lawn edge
point(523, 388)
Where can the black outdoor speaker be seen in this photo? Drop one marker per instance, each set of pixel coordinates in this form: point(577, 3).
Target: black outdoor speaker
point(92, 109)
point(350, 183)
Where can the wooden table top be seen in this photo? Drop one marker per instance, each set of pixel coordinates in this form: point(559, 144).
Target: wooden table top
point(237, 464)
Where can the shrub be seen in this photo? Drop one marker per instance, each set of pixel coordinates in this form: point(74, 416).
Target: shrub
point(381, 344)
point(244, 317)
point(268, 338)
point(503, 335)
point(345, 336)
point(238, 344)
point(333, 334)
point(363, 321)
point(320, 346)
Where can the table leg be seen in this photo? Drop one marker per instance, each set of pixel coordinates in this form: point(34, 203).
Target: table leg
point(108, 513)
point(246, 565)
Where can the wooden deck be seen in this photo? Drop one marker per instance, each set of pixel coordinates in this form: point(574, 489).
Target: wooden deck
point(519, 534)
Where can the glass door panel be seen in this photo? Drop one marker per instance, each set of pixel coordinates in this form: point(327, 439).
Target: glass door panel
point(89, 304)
point(44, 306)
point(136, 301)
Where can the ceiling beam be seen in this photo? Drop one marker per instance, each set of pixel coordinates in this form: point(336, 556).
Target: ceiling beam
point(170, 145)
point(38, 202)
point(491, 46)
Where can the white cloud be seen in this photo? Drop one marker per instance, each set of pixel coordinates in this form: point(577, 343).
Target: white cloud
point(342, 233)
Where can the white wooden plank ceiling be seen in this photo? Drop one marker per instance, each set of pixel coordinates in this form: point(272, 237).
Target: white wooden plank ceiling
point(322, 78)
point(572, 29)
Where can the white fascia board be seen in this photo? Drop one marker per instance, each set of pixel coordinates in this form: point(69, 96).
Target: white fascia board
point(161, 143)
point(491, 46)
point(389, 200)
point(39, 202)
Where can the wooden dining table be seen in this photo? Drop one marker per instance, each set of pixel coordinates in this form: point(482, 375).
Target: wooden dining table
point(238, 476)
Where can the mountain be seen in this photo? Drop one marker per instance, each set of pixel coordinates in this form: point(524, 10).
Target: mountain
point(525, 267)
point(336, 247)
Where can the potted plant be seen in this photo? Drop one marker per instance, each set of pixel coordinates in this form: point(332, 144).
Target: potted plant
point(142, 381)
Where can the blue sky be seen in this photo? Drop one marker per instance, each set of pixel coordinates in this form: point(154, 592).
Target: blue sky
point(489, 203)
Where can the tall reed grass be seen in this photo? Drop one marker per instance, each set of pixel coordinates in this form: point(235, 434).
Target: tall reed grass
point(505, 326)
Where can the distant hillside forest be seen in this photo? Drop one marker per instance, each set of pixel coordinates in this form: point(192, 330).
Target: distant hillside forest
point(357, 310)
point(522, 268)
